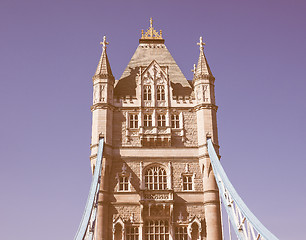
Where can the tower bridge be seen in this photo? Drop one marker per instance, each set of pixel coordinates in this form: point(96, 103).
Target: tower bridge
point(155, 154)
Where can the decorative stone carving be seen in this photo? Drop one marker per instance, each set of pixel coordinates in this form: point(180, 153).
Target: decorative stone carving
point(154, 73)
point(157, 196)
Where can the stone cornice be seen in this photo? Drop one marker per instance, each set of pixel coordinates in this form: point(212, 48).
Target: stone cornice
point(152, 108)
point(102, 106)
point(204, 77)
point(206, 106)
point(212, 202)
point(104, 76)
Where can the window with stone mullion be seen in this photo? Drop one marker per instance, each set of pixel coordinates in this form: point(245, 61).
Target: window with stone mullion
point(147, 120)
point(157, 230)
point(133, 121)
point(132, 233)
point(161, 120)
point(160, 92)
point(181, 233)
point(156, 179)
point(175, 121)
point(187, 182)
point(147, 94)
point(123, 183)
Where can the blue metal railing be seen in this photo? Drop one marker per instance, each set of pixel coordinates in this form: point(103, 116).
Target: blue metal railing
point(86, 228)
point(241, 214)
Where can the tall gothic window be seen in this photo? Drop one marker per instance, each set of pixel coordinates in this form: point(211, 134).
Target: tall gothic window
point(157, 230)
point(132, 233)
point(156, 178)
point(147, 94)
point(133, 121)
point(181, 233)
point(175, 121)
point(161, 120)
point(147, 120)
point(160, 92)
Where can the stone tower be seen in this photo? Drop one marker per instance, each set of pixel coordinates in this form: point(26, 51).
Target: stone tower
point(157, 182)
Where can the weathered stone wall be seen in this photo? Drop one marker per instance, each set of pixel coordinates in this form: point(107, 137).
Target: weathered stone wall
point(178, 168)
point(190, 125)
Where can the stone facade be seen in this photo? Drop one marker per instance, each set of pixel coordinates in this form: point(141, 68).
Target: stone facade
point(156, 181)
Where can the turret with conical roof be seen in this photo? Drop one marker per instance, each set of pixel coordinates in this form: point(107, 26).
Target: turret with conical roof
point(202, 70)
point(103, 69)
point(203, 79)
point(102, 118)
point(206, 111)
point(103, 80)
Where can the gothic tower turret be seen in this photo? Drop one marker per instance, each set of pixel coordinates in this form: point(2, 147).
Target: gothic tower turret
point(102, 118)
point(206, 111)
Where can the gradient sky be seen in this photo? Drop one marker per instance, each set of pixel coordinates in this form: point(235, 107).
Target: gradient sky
point(48, 54)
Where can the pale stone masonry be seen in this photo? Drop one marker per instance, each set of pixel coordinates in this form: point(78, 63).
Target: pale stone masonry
point(157, 182)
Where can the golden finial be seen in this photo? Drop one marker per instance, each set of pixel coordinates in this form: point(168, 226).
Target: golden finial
point(201, 44)
point(104, 43)
point(151, 33)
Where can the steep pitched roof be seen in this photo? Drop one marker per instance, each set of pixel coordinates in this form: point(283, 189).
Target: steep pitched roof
point(103, 68)
point(143, 56)
point(202, 67)
point(202, 70)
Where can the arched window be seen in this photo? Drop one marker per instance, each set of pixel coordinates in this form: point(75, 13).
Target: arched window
point(156, 178)
point(118, 233)
point(157, 230)
point(194, 231)
point(147, 92)
point(160, 92)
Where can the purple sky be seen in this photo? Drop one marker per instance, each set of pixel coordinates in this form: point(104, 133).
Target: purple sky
point(48, 54)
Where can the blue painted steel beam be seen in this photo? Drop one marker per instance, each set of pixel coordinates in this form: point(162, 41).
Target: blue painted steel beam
point(219, 171)
point(90, 209)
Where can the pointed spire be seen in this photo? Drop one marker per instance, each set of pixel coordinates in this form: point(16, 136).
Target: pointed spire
point(202, 70)
point(103, 68)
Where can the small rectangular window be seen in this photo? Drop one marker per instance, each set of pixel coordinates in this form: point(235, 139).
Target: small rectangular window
point(187, 182)
point(133, 121)
point(123, 183)
point(175, 121)
point(147, 120)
